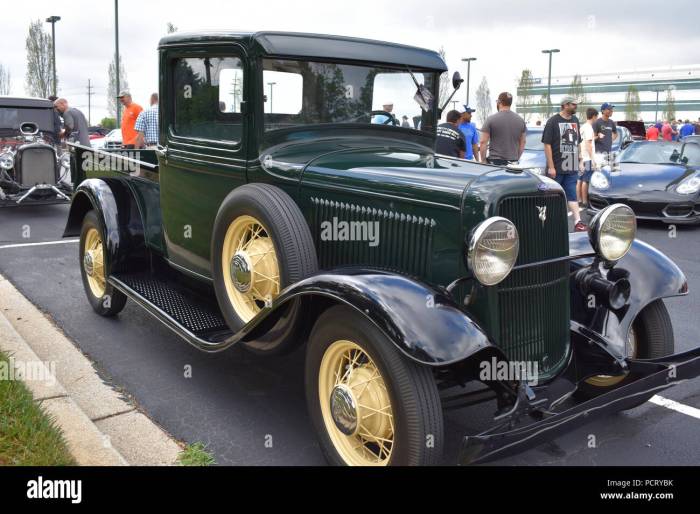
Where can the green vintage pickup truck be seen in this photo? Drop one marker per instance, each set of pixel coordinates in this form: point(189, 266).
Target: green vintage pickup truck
point(285, 206)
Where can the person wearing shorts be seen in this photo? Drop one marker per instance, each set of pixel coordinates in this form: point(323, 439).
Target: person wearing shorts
point(562, 139)
point(587, 154)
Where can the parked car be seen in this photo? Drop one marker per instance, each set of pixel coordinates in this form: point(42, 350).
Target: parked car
point(407, 275)
point(658, 180)
point(533, 157)
point(637, 129)
point(112, 140)
point(33, 168)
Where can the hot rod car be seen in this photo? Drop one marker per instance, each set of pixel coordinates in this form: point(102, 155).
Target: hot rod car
point(33, 168)
point(407, 275)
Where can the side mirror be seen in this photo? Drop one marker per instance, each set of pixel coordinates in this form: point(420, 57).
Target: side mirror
point(457, 80)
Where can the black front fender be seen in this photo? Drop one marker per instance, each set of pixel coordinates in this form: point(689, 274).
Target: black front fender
point(122, 223)
point(422, 321)
point(652, 276)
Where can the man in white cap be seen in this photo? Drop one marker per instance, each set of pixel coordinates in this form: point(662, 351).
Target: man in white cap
point(383, 119)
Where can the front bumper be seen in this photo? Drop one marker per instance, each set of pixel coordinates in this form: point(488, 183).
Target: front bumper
point(652, 376)
point(45, 194)
point(670, 211)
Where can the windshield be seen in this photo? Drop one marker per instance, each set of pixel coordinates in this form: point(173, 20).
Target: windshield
point(533, 140)
point(650, 153)
point(12, 117)
point(306, 93)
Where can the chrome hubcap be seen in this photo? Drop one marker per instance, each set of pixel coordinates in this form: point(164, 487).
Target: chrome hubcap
point(344, 409)
point(241, 272)
point(88, 264)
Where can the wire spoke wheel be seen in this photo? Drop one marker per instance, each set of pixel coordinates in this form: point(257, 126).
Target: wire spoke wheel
point(356, 405)
point(250, 267)
point(93, 263)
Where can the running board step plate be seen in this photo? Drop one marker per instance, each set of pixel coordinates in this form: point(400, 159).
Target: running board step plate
point(194, 318)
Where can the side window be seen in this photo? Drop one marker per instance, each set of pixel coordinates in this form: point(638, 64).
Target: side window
point(208, 93)
point(283, 98)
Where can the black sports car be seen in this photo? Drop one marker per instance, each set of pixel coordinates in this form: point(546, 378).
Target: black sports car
point(658, 180)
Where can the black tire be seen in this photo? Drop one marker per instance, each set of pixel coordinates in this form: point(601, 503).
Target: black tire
point(654, 333)
point(112, 301)
point(287, 227)
point(418, 419)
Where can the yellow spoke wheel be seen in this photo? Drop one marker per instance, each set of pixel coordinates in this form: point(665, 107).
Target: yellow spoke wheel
point(356, 405)
point(93, 263)
point(250, 267)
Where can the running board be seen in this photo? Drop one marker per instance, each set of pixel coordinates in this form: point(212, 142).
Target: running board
point(197, 321)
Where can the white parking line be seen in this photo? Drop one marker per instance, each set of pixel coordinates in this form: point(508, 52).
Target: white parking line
point(45, 243)
point(673, 405)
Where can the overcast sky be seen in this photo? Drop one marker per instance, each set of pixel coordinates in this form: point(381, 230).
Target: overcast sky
point(505, 36)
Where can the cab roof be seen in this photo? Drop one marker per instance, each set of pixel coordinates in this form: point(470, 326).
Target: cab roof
point(320, 46)
point(19, 101)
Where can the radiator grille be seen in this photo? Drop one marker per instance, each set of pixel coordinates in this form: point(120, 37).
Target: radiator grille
point(37, 166)
point(404, 241)
point(533, 303)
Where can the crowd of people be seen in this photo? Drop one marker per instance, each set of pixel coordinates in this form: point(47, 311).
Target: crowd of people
point(672, 130)
point(573, 150)
point(139, 126)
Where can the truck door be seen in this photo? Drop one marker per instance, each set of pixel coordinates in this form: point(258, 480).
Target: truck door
point(204, 156)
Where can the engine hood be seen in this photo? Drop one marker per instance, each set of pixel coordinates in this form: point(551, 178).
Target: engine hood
point(644, 179)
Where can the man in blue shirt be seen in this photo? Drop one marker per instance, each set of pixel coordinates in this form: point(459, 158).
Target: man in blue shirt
point(687, 129)
point(471, 133)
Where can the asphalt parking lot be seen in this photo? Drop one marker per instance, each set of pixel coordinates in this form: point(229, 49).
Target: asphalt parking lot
point(252, 411)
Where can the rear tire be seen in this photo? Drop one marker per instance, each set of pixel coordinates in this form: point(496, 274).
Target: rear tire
point(377, 374)
point(103, 297)
point(653, 331)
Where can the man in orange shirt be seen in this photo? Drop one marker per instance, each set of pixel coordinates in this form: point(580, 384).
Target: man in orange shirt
point(129, 115)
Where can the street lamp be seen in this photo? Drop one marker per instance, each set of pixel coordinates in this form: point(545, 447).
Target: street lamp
point(117, 67)
point(468, 60)
point(52, 20)
point(549, 78)
point(271, 84)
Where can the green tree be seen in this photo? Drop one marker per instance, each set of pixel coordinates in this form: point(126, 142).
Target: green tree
point(577, 90)
point(108, 123)
point(5, 80)
point(543, 106)
point(670, 107)
point(632, 104)
point(39, 78)
point(483, 100)
point(525, 97)
point(112, 101)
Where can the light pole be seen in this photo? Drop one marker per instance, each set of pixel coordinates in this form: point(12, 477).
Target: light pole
point(468, 60)
point(117, 67)
point(549, 78)
point(271, 84)
point(52, 20)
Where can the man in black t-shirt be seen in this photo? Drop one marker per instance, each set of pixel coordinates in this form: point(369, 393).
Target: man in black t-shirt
point(561, 137)
point(450, 140)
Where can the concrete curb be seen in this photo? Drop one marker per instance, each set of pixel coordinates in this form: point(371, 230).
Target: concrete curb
point(100, 426)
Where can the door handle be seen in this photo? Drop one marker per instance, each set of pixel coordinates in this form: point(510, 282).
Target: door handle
point(162, 151)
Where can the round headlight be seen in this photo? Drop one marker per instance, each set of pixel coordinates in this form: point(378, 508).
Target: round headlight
point(7, 161)
point(493, 250)
point(612, 232)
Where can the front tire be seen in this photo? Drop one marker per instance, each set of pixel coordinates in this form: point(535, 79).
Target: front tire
point(651, 336)
point(369, 404)
point(103, 297)
point(260, 245)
